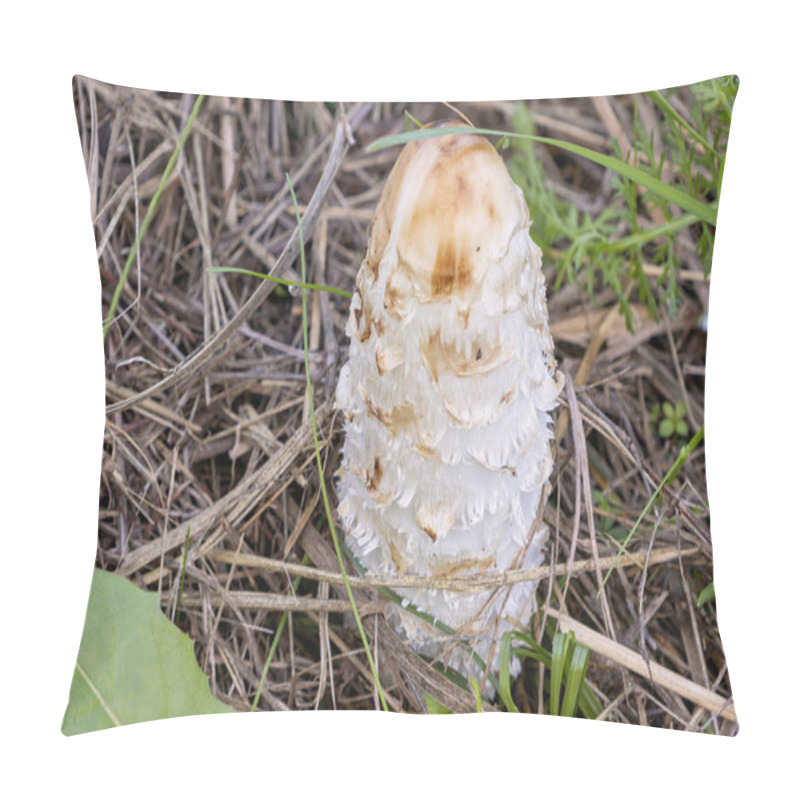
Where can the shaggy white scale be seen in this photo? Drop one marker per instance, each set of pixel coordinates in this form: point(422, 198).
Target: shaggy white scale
point(447, 395)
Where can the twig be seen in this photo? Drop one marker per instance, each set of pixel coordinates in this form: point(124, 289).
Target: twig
point(481, 581)
point(659, 675)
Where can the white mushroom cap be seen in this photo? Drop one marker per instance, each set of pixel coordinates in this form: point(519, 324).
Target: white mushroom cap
point(447, 392)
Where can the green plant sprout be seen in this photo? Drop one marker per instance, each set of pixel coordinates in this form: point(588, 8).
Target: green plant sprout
point(670, 419)
point(567, 663)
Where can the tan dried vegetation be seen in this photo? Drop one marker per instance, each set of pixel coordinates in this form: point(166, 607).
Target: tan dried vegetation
point(208, 437)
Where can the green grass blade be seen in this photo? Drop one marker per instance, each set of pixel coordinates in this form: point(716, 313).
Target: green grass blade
point(410, 119)
point(645, 236)
point(476, 691)
point(433, 706)
point(323, 489)
point(672, 194)
point(671, 473)
point(149, 215)
point(504, 679)
point(561, 643)
point(706, 595)
point(183, 570)
point(282, 281)
point(532, 648)
point(276, 638)
point(667, 108)
point(588, 702)
point(576, 672)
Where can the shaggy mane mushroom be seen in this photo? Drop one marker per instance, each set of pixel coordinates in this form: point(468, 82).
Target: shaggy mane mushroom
point(447, 394)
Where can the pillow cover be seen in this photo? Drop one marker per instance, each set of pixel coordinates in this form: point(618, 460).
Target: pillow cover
point(497, 479)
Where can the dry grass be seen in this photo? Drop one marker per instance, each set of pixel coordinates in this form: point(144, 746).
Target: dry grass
point(208, 437)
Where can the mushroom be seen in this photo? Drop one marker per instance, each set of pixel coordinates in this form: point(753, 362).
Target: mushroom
point(446, 396)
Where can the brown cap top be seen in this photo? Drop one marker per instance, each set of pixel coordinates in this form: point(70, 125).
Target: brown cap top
point(450, 208)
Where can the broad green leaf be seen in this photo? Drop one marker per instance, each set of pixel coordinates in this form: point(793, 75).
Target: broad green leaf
point(133, 665)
